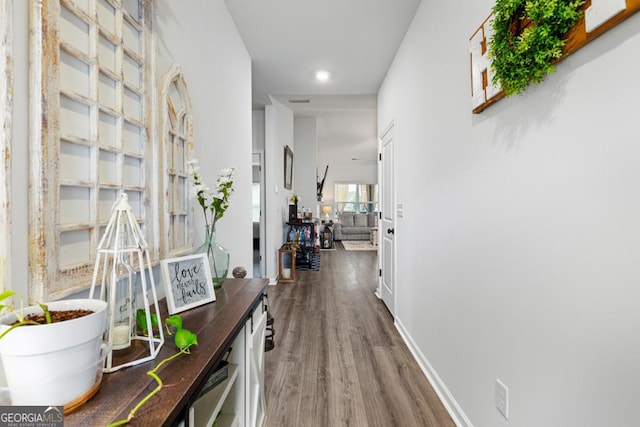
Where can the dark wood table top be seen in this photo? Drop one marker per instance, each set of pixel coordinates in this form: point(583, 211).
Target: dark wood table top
point(216, 325)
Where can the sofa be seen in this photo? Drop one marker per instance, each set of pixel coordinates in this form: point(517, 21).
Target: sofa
point(354, 226)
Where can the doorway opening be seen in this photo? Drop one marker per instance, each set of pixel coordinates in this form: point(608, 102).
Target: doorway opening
point(256, 214)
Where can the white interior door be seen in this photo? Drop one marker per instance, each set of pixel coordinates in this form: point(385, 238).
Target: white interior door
point(386, 228)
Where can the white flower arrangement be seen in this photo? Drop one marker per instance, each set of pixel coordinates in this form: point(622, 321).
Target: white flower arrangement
point(214, 203)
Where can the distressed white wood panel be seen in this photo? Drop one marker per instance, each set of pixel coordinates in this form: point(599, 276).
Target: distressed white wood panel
point(78, 73)
point(84, 5)
point(181, 158)
point(135, 200)
point(180, 227)
point(107, 130)
point(132, 171)
point(74, 118)
point(131, 37)
point(182, 192)
point(132, 7)
point(6, 106)
point(75, 248)
point(178, 148)
point(75, 161)
point(175, 100)
point(132, 105)
point(171, 182)
point(132, 138)
point(106, 198)
point(132, 72)
point(107, 16)
point(74, 31)
point(107, 54)
point(108, 168)
point(75, 204)
point(107, 91)
point(82, 106)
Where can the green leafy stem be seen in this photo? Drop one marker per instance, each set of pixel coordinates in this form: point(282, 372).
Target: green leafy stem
point(183, 340)
point(22, 321)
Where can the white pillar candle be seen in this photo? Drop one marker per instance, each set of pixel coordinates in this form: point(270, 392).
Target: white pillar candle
point(121, 335)
point(286, 273)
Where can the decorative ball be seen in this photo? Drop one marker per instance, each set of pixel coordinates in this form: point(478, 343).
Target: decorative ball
point(239, 272)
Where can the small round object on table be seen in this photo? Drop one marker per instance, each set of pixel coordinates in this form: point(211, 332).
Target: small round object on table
point(239, 272)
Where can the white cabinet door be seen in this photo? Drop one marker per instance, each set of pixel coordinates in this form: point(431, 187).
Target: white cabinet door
point(255, 401)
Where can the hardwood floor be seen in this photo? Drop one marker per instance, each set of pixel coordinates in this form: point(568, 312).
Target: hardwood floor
point(338, 360)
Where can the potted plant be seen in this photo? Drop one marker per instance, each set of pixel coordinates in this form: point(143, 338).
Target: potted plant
point(50, 362)
point(528, 39)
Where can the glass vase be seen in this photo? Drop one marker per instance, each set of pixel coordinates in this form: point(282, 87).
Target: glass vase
point(218, 257)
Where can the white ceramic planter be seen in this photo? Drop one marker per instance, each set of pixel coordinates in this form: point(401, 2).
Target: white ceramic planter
point(58, 363)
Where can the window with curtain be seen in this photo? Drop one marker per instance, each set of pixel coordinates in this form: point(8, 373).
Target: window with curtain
point(92, 80)
point(355, 197)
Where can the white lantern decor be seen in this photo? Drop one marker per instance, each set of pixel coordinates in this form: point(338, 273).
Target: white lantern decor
point(124, 264)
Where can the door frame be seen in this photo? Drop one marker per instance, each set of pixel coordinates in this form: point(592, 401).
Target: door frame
point(389, 128)
point(262, 250)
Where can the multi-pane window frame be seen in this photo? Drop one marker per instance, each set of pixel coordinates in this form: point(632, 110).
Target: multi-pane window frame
point(360, 205)
point(68, 208)
point(176, 132)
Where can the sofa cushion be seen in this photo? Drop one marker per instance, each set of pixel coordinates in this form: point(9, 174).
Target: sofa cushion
point(346, 219)
point(356, 230)
point(373, 220)
point(361, 220)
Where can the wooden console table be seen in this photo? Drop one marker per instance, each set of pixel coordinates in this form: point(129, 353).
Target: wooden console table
point(219, 326)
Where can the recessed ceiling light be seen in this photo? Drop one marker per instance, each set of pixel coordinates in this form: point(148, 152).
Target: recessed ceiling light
point(323, 76)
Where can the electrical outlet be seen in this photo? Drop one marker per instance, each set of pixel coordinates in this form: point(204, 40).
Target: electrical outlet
point(502, 398)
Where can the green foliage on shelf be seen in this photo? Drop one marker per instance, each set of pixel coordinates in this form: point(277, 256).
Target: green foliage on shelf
point(519, 59)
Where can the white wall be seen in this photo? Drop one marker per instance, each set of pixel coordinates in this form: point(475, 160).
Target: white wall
point(278, 134)
point(517, 256)
point(305, 161)
point(201, 37)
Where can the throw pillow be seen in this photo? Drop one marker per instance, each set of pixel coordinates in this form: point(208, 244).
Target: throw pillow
point(346, 219)
point(361, 220)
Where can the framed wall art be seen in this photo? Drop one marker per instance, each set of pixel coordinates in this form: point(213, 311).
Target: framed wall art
point(187, 282)
point(288, 168)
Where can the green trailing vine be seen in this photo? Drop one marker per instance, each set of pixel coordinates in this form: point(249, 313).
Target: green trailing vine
point(523, 55)
point(183, 339)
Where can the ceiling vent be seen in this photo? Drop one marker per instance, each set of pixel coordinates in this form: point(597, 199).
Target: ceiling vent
point(299, 101)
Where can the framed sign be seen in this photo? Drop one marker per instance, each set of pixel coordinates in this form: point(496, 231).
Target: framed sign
point(187, 282)
point(288, 168)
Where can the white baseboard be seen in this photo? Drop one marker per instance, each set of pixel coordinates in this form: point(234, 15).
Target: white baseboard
point(447, 399)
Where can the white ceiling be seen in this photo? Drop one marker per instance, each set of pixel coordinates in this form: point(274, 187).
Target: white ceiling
point(288, 40)
point(355, 40)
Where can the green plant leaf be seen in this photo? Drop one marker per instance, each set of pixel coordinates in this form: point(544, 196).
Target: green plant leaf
point(519, 59)
point(4, 296)
point(184, 339)
point(175, 321)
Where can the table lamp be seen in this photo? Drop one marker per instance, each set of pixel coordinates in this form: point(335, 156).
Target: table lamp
point(326, 209)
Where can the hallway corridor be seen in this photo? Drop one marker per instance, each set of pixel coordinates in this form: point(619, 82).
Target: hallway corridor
point(338, 359)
